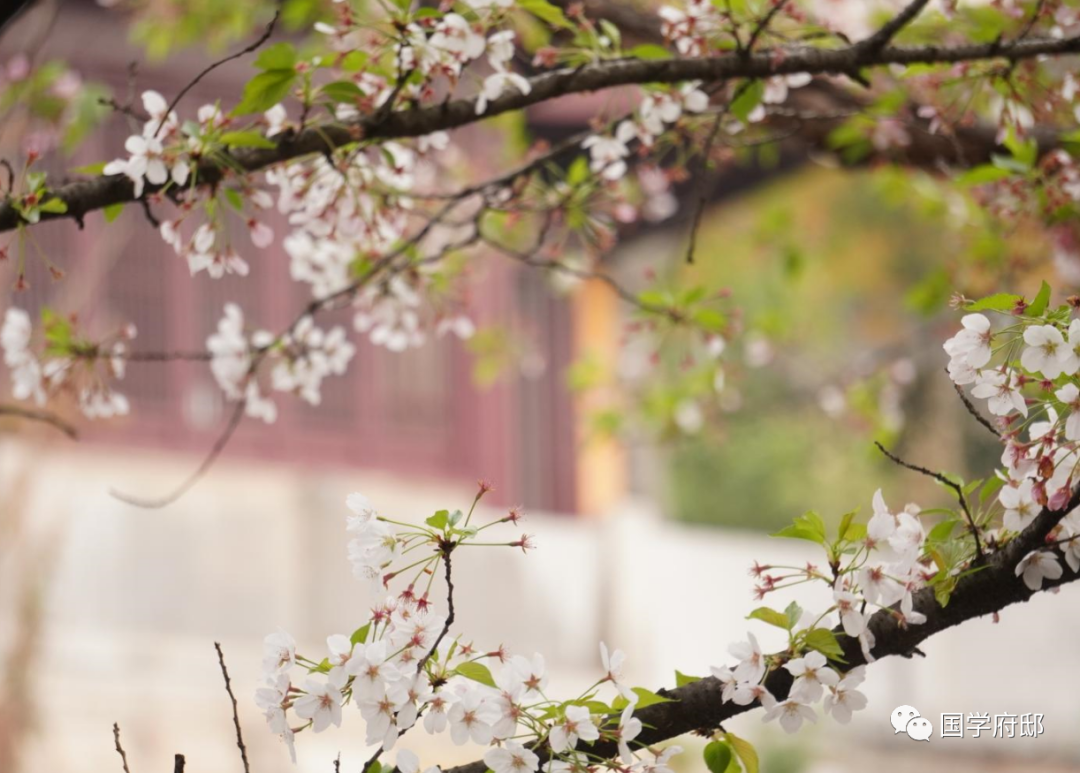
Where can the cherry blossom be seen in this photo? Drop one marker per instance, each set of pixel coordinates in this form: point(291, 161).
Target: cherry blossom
point(843, 698)
point(279, 653)
point(1036, 566)
point(1045, 347)
point(812, 675)
point(511, 758)
point(1001, 391)
point(791, 713)
point(471, 718)
point(1019, 503)
point(751, 665)
point(322, 703)
point(577, 725)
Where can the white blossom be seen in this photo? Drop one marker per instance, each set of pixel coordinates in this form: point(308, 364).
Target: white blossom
point(812, 675)
point(843, 698)
point(511, 758)
point(1037, 566)
point(322, 703)
point(1045, 346)
point(577, 725)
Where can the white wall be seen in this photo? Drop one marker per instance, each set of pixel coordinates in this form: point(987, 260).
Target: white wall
point(137, 597)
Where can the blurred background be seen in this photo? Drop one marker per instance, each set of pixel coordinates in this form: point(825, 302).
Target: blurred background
point(648, 499)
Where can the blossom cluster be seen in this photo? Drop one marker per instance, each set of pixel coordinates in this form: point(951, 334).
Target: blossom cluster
point(82, 368)
point(165, 155)
point(403, 669)
point(1027, 370)
point(877, 566)
point(297, 361)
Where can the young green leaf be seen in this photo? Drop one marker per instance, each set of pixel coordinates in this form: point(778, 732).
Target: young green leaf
point(717, 756)
point(477, 672)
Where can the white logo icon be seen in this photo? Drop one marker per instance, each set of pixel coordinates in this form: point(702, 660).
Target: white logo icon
point(919, 728)
point(906, 719)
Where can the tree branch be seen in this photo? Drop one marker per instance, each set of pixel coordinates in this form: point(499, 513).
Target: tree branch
point(953, 485)
point(889, 30)
point(699, 705)
point(86, 196)
point(119, 747)
point(246, 50)
point(235, 716)
point(45, 417)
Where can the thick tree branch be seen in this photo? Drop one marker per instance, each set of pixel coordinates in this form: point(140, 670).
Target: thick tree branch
point(86, 196)
point(698, 705)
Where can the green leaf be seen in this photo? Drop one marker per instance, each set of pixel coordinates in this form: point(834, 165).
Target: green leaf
point(440, 520)
point(649, 51)
point(264, 91)
point(112, 212)
point(684, 679)
point(578, 171)
point(322, 668)
point(748, 99)
point(983, 174)
point(477, 672)
point(824, 641)
point(58, 332)
point(645, 698)
point(942, 531)
point(342, 91)
point(374, 767)
point(56, 206)
point(1042, 300)
point(717, 756)
point(281, 56)
point(359, 636)
point(648, 697)
point(845, 524)
point(793, 612)
point(94, 169)
point(770, 616)
point(545, 11)
point(993, 486)
point(236, 201)
point(246, 139)
point(996, 302)
point(807, 526)
point(746, 751)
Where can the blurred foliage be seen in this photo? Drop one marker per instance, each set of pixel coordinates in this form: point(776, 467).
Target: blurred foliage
point(845, 279)
point(163, 26)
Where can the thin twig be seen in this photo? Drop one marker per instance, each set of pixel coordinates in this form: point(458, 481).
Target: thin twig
point(119, 748)
point(975, 412)
point(178, 763)
point(889, 30)
point(1031, 22)
point(189, 356)
point(703, 198)
point(235, 716)
point(447, 549)
point(45, 417)
point(151, 218)
point(979, 556)
point(766, 20)
point(207, 463)
point(262, 39)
